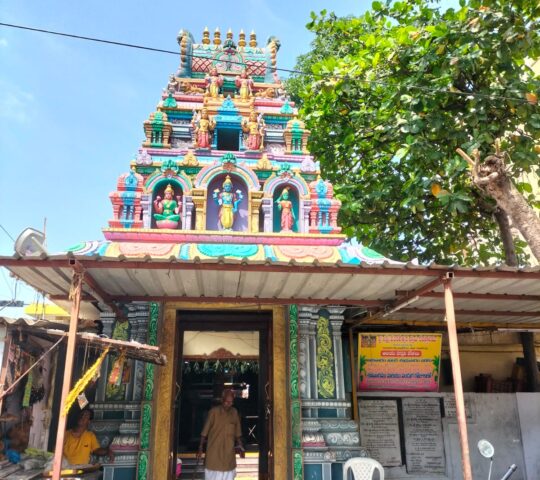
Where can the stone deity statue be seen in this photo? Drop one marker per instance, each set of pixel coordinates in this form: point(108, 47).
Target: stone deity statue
point(214, 81)
point(173, 85)
point(244, 83)
point(167, 210)
point(287, 212)
point(254, 128)
point(228, 202)
point(203, 126)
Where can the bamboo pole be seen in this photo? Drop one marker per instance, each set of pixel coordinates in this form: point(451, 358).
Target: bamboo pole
point(75, 294)
point(3, 373)
point(458, 386)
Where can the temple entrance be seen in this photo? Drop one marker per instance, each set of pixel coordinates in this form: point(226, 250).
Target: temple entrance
point(218, 351)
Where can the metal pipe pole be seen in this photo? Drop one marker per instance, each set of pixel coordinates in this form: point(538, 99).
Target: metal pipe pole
point(75, 293)
point(352, 360)
point(458, 386)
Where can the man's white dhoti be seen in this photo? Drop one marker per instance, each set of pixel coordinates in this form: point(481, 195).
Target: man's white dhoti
point(214, 475)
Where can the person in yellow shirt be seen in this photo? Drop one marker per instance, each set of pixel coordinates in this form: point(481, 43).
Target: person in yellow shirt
point(80, 443)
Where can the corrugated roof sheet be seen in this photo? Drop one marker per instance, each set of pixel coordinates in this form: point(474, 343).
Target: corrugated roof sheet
point(496, 295)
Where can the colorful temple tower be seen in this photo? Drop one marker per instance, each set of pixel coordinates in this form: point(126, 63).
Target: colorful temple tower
point(224, 172)
point(225, 156)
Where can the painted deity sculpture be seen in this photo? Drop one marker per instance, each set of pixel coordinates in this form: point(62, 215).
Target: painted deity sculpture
point(285, 205)
point(167, 210)
point(203, 127)
point(173, 85)
point(244, 83)
point(214, 81)
point(228, 203)
point(254, 128)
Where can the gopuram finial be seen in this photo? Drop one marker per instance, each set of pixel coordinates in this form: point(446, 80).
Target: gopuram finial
point(252, 39)
point(229, 34)
point(217, 37)
point(242, 39)
point(206, 36)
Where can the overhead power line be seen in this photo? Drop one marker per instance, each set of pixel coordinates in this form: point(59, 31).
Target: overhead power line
point(286, 70)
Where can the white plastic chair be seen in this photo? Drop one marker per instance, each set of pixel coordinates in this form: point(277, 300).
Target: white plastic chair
point(362, 468)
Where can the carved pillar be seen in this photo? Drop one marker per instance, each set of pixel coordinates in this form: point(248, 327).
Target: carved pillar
point(267, 214)
point(296, 403)
point(146, 210)
point(187, 220)
point(312, 341)
point(255, 202)
point(336, 320)
point(143, 463)
point(199, 200)
point(304, 383)
point(304, 216)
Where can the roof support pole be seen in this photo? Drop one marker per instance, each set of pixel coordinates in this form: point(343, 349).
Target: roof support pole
point(531, 365)
point(352, 358)
point(3, 372)
point(456, 372)
point(75, 294)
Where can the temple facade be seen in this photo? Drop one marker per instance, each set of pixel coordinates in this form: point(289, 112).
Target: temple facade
point(224, 267)
point(224, 171)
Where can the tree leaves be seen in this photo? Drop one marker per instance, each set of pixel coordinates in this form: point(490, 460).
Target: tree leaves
point(395, 92)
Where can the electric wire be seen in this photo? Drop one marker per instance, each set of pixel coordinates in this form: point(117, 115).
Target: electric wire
point(286, 70)
point(6, 232)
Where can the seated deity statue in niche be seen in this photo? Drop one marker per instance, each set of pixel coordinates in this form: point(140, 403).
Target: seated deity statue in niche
point(228, 202)
point(214, 81)
point(254, 128)
point(167, 210)
point(244, 84)
point(285, 206)
point(203, 127)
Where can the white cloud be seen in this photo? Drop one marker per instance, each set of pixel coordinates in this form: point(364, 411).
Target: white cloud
point(14, 102)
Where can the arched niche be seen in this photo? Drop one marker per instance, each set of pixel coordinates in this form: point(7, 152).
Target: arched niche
point(280, 222)
point(159, 190)
point(208, 174)
point(241, 217)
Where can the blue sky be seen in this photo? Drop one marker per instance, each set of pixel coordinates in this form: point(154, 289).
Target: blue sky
point(71, 111)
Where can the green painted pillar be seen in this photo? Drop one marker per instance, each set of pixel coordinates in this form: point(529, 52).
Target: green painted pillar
point(296, 406)
point(143, 472)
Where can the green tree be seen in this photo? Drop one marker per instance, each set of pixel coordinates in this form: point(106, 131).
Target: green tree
point(391, 97)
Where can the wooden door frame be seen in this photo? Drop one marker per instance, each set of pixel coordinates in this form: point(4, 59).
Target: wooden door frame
point(163, 453)
point(235, 321)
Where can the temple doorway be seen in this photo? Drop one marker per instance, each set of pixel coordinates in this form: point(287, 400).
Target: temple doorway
point(218, 351)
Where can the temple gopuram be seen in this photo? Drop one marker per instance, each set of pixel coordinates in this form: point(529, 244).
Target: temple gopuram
point(224, 172)
point(223, 267)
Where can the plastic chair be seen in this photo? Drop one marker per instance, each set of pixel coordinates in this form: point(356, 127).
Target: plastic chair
point(362, 468)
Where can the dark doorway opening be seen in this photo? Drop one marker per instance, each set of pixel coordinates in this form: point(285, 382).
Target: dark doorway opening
point(219, 350)
point(228, 139)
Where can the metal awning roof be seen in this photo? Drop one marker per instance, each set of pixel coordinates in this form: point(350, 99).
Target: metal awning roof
point(495, 296)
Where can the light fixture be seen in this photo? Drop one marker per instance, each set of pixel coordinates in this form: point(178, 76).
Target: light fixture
point(30, 243)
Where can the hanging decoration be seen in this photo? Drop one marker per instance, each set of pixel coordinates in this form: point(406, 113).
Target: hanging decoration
point(84, 381)
point(117, 371)
point(199, 367)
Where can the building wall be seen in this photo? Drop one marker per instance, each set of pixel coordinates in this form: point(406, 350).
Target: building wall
point(509, 421)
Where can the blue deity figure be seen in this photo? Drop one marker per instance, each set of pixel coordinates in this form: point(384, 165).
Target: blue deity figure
point(228, 203)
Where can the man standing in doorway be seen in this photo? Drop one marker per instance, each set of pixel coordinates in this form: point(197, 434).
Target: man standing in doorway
point(222, 432)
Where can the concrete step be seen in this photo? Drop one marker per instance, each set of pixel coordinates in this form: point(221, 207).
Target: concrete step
point(246, 468)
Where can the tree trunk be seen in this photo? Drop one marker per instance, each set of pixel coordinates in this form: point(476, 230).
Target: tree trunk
point(491, 177)
point(507, 238)
point(531, 365)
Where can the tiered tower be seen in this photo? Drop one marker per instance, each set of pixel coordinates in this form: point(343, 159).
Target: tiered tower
point(225, 157)
point(224, 172)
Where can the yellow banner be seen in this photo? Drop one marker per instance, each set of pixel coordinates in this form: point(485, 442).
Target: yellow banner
point(407, 362)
